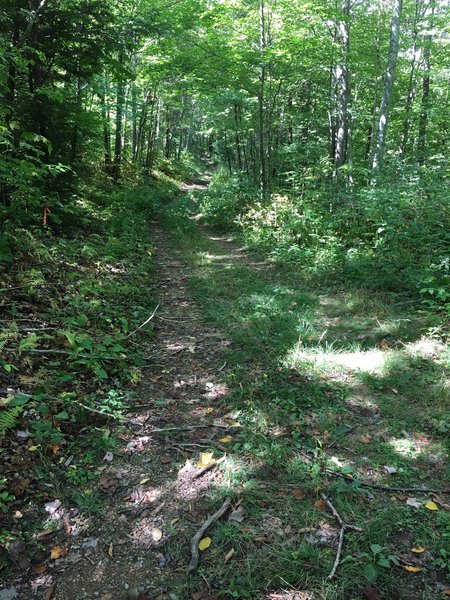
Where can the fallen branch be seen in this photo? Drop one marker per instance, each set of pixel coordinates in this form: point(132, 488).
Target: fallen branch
point(337, 516)
point(387, 488)
point(187, 428)
point(343, 528)
point(338, 554)
point(195, 552)
point(145, 322)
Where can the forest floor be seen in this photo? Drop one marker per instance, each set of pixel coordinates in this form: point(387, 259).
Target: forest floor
point(290, 401)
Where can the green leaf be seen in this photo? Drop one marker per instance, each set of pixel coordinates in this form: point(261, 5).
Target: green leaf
point(370, 572)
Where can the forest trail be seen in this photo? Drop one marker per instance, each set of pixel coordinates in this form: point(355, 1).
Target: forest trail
point(242, 398)
point(148, 500)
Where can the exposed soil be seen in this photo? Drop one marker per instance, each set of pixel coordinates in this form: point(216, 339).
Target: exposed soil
point(147, 497)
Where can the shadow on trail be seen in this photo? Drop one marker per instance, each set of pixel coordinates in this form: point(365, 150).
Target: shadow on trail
point(320, 379)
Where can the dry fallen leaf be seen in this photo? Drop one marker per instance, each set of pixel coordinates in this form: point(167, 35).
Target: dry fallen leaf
point(390, 470)
point(204, 543)
point(143, 481)
point(110, 550)
point(156, 534)
point(320, 505)
point(431, 505)
point(413, 502)
point(58, 552)
point(237, 515)
point(206, 460)
point(371, 593)
point(299, 494)
point(365, 439)
point(49, 591)
point(446, 592)
point(412, 569)
point(229, 555)
point(417, 549)
point(225, 440)
point(39, 570)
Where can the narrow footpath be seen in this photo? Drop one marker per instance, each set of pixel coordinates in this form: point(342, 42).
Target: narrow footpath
point(149, 500)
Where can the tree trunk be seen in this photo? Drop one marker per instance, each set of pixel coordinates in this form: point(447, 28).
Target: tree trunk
point(106, 124)
point(423, 118)
point(387, 87)
point(262, 81)
point(343, 86)
point(410, 93)
point(120, 101)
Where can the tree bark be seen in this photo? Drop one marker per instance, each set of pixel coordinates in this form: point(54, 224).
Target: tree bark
point(387, 87)
point(424, 106)
point(343, 86)
point(120, 100)
point(261, 99)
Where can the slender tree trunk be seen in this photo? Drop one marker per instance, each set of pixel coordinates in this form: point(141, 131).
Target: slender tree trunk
point(237, 138)
point(134, 121)
point(120, 101)
point(424, 106)
point(343, 86)
point(261, 101)
point(75, 131)
point(106, 123)
point(387, 87)
point(227, 154)
point(410, 93)
point(373, 114)
point(332, 128)
point(290, 139)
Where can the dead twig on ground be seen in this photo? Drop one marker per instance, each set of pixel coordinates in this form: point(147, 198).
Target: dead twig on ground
point(343, 528)
point(188, 428)
point(195, 552)
point(145, 322)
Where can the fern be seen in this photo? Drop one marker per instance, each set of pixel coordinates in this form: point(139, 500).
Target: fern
point(9, 417)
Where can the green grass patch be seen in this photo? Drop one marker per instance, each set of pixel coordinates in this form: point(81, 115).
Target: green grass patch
point(322, 377)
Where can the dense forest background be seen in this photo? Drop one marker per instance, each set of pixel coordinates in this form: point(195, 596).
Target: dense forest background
point(328, 119)
point(317, 134)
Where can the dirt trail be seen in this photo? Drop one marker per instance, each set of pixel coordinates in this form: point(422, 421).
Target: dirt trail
point(148, 499)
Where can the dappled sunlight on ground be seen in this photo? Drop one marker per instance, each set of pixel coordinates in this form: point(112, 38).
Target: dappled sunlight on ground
point(370, 361)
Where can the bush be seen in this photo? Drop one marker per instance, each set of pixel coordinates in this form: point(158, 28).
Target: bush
point(393, 236)
point(226, 199)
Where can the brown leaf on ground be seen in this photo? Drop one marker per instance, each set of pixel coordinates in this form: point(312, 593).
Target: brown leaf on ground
point(50, 591)
point(299, 494)
point(371, 593)
point(320, 505)
point(39, 570)
point(58, 552)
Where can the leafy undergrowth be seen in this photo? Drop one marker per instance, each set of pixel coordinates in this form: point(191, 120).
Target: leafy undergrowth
point(390, 237)
point(70, 352)
point(337, 392)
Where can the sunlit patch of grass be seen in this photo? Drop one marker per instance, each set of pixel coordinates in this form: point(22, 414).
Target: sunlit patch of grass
point(330, 380)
